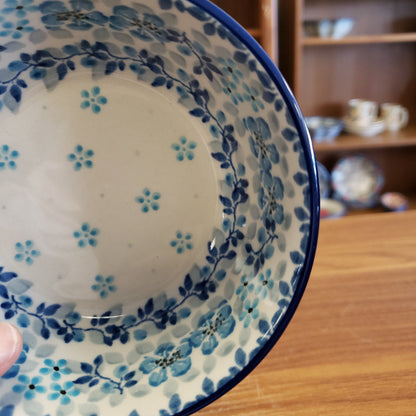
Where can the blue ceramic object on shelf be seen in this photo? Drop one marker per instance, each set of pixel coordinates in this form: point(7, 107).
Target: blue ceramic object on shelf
point(357, 181)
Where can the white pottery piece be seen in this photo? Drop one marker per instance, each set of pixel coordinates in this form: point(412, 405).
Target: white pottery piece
point(159, 205)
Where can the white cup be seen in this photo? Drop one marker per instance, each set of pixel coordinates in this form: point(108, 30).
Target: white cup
point(395, 116)
point(361, 112)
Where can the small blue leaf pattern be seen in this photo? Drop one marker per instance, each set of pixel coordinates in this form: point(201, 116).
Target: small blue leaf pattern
point(104, 286)
point(93, 99)
point(182, 242)
point(184, 149)
point(148, 200)
point(86, 236)
point(81, 158)
point(8, 158)
point(26, 252)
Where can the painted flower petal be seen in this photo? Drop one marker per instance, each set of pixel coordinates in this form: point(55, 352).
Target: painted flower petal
point(209, 345)
point(158, 377)
point(181, 367)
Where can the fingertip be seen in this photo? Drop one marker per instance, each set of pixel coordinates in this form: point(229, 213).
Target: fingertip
point(11, 344)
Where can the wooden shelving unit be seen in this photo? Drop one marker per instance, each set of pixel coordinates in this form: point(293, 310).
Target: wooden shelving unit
point(258, 17)
point(362, 39)
point(376, 61)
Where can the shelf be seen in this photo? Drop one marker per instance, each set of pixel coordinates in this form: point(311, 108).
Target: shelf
point(255, 32)
point(363, 39)
point(385, 140)
point(379, 208)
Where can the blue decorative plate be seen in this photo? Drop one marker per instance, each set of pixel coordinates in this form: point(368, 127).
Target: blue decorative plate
point(159, 205)
point(357, 181)
point(324, 181)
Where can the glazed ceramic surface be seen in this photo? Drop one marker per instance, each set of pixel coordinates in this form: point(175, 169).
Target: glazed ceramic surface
point(158, 200)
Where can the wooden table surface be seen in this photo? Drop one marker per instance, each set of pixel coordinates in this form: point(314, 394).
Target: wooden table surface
point(351, 346)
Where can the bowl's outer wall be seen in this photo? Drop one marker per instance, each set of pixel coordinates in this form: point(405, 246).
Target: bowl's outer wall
point(302, 129)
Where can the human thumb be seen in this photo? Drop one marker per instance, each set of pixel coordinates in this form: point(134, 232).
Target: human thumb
point(10, 346)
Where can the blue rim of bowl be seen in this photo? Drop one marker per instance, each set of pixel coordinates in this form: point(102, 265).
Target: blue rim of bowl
point(305, 139)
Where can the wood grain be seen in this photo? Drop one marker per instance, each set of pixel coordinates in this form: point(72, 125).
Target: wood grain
point(350, 349)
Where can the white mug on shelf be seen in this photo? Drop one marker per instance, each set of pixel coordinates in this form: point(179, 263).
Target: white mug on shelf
point(362, 112)
point(395, 116)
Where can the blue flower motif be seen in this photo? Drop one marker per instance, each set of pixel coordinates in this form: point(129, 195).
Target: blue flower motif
point(81, 157)
point(182, 242)
point(260, 142)
point(30, 387)
point(148, 200)
point(167, 358)
point(26, 252)
point(8, 157)
point(55, 369)
point(230, 88)
point(82, 16)
point(245, 287)
point(145, 26)
point(14, 29)
point(250, 311)
point(265, 284)
point(86, 235)
point(63, 392)
point(211, 326)
point(184, 149)
point(19, 7)
point(104, 285)
point(270, 193)
point(253, 96)
point(93, 99)
point(228, 68)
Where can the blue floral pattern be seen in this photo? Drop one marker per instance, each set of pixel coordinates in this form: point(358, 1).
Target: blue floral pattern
point(167, 359)
point(14, 29)
point(30, 387)
point(212, 327)
point(81, 158)
point(93, 99)
point(148, 200)
point(63, 392)
point(79, 15)
point(26, 252)
point(184, 149)
point(104, 286)
point(55, 369)
point(86, 236)
point(8, 158)
point(182, 242)
point(192, 65)
point(19, 8)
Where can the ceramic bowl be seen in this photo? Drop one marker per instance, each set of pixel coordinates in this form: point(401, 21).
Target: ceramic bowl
point(328, 28)
point(394, 201)
point(324, 181)
point(324, 129)
point(332, 208)
point(159, 205)
point(372, 129)
point(357, 181)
